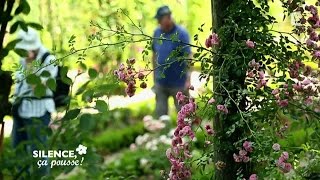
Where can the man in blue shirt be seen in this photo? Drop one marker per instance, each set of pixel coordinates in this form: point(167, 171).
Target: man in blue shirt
point(170, 57)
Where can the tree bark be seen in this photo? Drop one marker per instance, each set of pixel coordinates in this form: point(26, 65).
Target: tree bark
point(226, 168)
point(3, 30)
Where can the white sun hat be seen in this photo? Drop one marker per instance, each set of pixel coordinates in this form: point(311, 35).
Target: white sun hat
point(30, 40)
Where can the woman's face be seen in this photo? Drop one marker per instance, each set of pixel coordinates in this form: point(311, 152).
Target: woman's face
point(31, 56)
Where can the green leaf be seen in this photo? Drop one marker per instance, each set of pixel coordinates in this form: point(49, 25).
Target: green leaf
point(88, 95)
point(45, 73)
point(21, 52)
point(66, 80)
point(102, 106)
point(51, 83)
point(83, 66)
point(12, 44)
point(35, 26)
point(4, 53)
point(86, 122)
point(23, 26)
point(14, 27)
point(40, 90)
point(26, 7)
point(63, 75)
point(19, 9)
point(63, 71)
point(92, 73)
point(72, 114)
point(33, 79)
point(82, 88)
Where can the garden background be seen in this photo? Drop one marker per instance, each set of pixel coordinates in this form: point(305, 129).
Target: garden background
point(123, 140)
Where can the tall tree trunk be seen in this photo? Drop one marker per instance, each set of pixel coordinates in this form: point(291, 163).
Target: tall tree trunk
point(6, 17)
point(226, 168)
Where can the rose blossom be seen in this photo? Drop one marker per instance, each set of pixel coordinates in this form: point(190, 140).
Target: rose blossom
point(222, 108)
point(180, 97)
point(242, 152)
point(253, 177)
point(247, 145)
point(211, 101)
point(245, 159)
point(209, 130)
point(276, 147)
point(285, 155)
point(283, 103)
point(250, 44)
point(212, 40)
point(275, 91)
point(316, 54)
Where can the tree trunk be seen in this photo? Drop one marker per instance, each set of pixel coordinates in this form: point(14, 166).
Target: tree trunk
point(226, 167)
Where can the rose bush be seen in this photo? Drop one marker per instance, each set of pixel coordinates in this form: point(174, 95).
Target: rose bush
point(264, 80)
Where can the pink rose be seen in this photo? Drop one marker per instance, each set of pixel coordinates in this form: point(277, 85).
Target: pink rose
point(285, 155)
point(276, 147)
point(316, 54)
point(211, 101)
point(275, 91)
point(247, 145)
point(283, 103)
point(250, 44)
point(253, 177)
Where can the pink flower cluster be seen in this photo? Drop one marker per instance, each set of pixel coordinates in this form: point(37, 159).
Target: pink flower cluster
point(256, 74)
point(281, 102)
point(242, 156)
point(209, 130)
point(283, 164)
point(222, 108)
point(304, 88)
point(128, 74)
point(212, 40)
point(179, 150)
point(311, 25)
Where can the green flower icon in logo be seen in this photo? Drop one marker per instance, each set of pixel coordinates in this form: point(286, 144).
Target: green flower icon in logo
point(81, 149)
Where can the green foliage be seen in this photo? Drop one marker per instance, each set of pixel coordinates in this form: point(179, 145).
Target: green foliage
point(71, 114)
point(101, 106)
point(114, 139)
point(129, 165)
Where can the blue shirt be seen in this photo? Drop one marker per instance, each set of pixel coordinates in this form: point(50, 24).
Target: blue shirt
point(170, 56)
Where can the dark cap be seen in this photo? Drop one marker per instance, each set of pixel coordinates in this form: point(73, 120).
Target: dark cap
point(162, 11)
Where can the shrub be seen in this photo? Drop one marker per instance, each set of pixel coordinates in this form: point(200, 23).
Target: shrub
point(114, 139)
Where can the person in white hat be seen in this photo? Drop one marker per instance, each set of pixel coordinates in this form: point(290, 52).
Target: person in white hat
point(29, 111)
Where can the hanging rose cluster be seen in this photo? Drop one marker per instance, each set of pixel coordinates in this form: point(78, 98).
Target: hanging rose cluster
point(256, 75)
point(212, 40)
point(243, 155)
point(179, 151)
point(128, 74)
point(309, 22)
point(305, 87)
point(282, 163)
